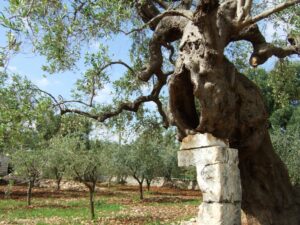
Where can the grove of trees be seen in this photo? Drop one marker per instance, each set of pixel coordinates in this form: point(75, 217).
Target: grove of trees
point(199, 49)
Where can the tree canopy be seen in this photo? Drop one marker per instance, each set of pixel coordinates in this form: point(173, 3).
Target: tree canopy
point(62, 30)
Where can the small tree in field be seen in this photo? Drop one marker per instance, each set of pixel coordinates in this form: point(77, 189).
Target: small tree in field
point(168, 154)
point(86, 166)
point(28, 164)
point(143, 160)
point(135, 166)
point(57, 159)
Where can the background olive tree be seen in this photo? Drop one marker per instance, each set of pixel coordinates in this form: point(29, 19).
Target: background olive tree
point(28, 164)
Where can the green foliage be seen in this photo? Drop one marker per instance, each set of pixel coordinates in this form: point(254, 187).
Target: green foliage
point(168, 154)
point(28, 163)
point(294, 122)
point(64, 32)
point(238, 52)
point(280, 88)
point(57, 156)
point(75, 126)
point(26, 117)
point(152, 154)
point(284, 80)
point(86, 165)
point(57, 29)
point(286, 144)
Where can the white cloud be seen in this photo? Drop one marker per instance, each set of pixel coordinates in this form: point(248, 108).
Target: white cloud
point(105, 95)
point(101, 132)
point(43, 82)
point(13, 69)
point(270, 31)
point(146, 88)
point(95, 45)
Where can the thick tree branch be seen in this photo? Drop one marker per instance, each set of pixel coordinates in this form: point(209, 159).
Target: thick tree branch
point(263, 50)
point(127, 106)
point(184, 13)
point(170, 47)
point(147, 11)
point(162, 112)
point(243, 9)
point(249, 21)
point(168, 30)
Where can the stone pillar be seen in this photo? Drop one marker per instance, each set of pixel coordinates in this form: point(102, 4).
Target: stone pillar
point(218, 177)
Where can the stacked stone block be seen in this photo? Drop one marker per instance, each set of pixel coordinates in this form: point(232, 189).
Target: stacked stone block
point(218, 178)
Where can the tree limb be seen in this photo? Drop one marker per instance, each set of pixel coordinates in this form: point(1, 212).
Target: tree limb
point(127, 106)
point(162, 4)
point(168, 30)
point(263, 50)
point(243, 9)
point(120, 63)
point(184, 13)
point(163, 114)
point(267, 13)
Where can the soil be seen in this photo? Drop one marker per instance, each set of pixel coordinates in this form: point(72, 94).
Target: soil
point(165, 205)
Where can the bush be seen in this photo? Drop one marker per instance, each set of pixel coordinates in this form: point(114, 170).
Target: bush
point(287, 146)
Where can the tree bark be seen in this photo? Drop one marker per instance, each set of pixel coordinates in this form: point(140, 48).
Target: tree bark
point(148, 181)
point(141, 190)
point(58, 177)
point(267, 194)
point(29, 192)
point(58, 181)
point(92, 206)
point(140, 182)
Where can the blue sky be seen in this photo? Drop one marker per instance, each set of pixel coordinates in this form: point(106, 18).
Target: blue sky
point(29, 65)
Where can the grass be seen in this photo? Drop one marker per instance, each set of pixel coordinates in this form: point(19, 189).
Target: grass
point(17, 209)
point(116, 206)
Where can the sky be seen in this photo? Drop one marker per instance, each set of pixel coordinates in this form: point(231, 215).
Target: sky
point(30, 65)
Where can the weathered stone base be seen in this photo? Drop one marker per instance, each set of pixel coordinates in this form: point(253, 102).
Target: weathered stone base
point(218, 177)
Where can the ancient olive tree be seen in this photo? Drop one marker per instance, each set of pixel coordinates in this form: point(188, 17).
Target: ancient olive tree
point(197, 33)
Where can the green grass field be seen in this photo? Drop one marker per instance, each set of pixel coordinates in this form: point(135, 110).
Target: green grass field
point(113, 206)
